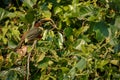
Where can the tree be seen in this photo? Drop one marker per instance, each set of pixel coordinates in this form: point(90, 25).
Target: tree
point(84, 46)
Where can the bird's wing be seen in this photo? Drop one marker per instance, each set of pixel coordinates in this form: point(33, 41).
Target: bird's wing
point(33, 33)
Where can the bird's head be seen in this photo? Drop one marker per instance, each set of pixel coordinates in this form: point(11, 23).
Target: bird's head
point(39, 23)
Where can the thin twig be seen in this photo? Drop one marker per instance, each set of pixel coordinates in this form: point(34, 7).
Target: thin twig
point(28, 59)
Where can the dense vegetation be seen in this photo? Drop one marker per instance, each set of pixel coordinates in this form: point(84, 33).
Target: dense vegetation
point(85, 45)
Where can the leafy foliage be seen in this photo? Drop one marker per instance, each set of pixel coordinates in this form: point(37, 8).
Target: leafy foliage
point(85, 45)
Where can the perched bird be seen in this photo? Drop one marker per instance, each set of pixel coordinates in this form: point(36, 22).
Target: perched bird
point(35, 32)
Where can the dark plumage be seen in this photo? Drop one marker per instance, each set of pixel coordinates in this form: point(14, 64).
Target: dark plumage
point(35, 32)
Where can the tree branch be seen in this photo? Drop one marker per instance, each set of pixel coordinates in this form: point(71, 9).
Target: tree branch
point(28, 59)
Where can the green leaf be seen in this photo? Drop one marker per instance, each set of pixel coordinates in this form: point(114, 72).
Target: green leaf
point(3, 13)
point(4, 30)
point(115, 62)
point(43, 64)
point(54, 54)
point(57, 10)
point(45, 34)
point(15, 33)
point(30, 16)
point(68, 31)
point(40, 57)
point(86, 11)
point(80, 66)
point(5, 40)
point(29, 3)
point(112, 35)
point(75, 8)
point(117, 22)
point(79, 43)
point(47, 13)
point(11, 44)
point(102, 63)
point(60, 40)
point(99, 35)
point(101, 30)
point(12, 75)
point(64, 69)
point(81, 30)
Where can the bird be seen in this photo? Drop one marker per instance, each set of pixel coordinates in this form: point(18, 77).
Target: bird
point(35, 32)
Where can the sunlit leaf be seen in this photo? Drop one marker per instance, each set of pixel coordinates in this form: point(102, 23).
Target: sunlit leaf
point(57, 10)
point(84, 46)
point(114, 62)
point(44, 35)
point(29, 3)
point(40, 57)
point(47, 14)
point(79, 43)
point(54, 54)
point(102, 63)
point(5, 40)
point(4, 30)
point(65, 69)
point(60, 40)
